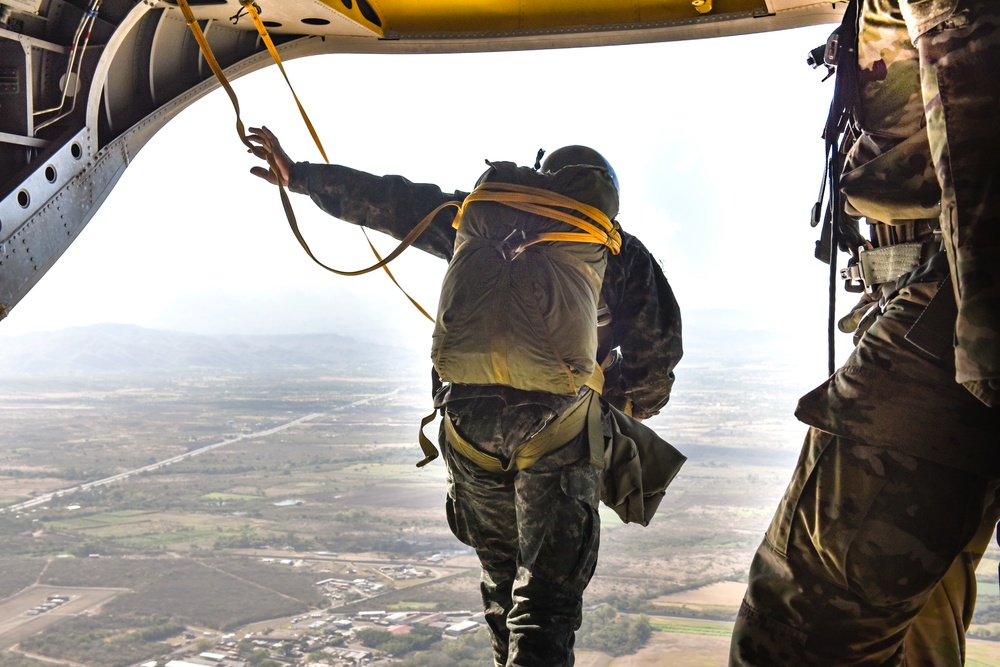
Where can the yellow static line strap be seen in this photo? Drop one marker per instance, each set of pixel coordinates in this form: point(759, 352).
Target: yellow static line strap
point(286, 203)
point(403, 245)
point(533, 200)
point(428, 448)
point(266, 38)
point(206, 51)
point(598, 229)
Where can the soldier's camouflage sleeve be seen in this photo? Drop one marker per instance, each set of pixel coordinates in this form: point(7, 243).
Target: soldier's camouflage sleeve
point(930, 149)
point(389, 204)
point(889, 174)
point(959, 44)
point(646, 322)
point(646, 325)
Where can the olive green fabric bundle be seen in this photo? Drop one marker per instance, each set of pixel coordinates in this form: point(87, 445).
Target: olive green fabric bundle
point(518, 313)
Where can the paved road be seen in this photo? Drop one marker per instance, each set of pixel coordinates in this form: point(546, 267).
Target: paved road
point(42, 499)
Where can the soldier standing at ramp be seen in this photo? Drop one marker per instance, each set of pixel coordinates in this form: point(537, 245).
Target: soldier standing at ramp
point(523, 432)
point(870, 559)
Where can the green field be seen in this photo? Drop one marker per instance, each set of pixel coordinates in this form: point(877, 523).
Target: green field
point(707, 628)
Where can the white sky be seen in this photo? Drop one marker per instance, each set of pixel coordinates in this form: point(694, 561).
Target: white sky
point(716, 144)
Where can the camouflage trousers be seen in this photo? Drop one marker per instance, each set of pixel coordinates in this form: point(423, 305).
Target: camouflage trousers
point(870, 558)
point(536, 533)
point(870, 561)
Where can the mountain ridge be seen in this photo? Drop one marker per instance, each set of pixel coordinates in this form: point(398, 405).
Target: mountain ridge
point(103, 349)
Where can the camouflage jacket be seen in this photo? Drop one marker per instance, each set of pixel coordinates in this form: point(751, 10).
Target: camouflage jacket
point(646, 321)
point(889, 174)
point(890, 177)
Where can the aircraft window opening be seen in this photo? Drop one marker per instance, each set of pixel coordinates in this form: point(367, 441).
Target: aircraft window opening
point(76, 151)
point(23, 198)
point(315, 21)
point(50, 173)
point(271, 24)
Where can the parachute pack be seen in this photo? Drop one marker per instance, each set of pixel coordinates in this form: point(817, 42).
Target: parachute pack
point(520, 297)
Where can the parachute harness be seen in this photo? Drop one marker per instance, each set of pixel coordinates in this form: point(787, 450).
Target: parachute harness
point(598, 229)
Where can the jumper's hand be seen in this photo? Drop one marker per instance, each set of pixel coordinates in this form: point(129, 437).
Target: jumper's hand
point(270, 150)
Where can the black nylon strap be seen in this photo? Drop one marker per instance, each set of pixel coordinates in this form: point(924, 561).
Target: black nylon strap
point(843, 110)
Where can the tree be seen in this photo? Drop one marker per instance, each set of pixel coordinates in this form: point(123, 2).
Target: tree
point(604, 629)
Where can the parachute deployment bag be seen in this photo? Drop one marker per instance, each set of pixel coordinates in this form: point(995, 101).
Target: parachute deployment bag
point(520, 297)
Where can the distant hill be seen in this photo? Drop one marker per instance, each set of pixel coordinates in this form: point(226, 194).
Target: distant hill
point(730, 338)
point(127, 349)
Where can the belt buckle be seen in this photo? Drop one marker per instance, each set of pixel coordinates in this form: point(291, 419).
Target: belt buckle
point(853, 274)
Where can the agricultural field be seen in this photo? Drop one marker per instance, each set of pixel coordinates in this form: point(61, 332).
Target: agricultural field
point(232, 494)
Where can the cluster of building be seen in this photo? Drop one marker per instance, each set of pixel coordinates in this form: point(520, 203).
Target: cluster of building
point(403, 572)
point(51, 602)
point(323, 638)
point(341, 589)
point(450, 623)
point(300, 644)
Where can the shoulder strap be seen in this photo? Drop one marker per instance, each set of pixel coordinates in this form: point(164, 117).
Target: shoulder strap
point(840, 55)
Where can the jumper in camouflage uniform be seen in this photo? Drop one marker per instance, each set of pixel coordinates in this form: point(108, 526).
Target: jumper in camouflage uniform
point(870, 558)
point(536, 531)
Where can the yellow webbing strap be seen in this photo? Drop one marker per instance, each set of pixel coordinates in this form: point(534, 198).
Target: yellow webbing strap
point(595, 382)
point(266, 38)
point(286, 203)
point(599, 229)
point(206, 51)
point(403, 245)
point(582, 414)
point(533, 200)
point(595, 433)
point(428, 448)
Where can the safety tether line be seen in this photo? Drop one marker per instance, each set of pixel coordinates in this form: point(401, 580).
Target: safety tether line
point(286, 203)
point(206, 51)
point(266, 38)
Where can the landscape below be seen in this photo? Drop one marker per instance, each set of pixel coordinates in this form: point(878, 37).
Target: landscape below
point(254, 499)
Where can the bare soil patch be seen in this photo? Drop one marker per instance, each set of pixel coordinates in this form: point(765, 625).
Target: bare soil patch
point(16, 622)
point(722, 594)
point(665, 648)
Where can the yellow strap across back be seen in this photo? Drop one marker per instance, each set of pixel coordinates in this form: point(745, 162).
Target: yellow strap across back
point(533, 200)
point(550, 205)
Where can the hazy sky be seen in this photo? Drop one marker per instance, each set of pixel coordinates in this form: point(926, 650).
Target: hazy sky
point(716, 144)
